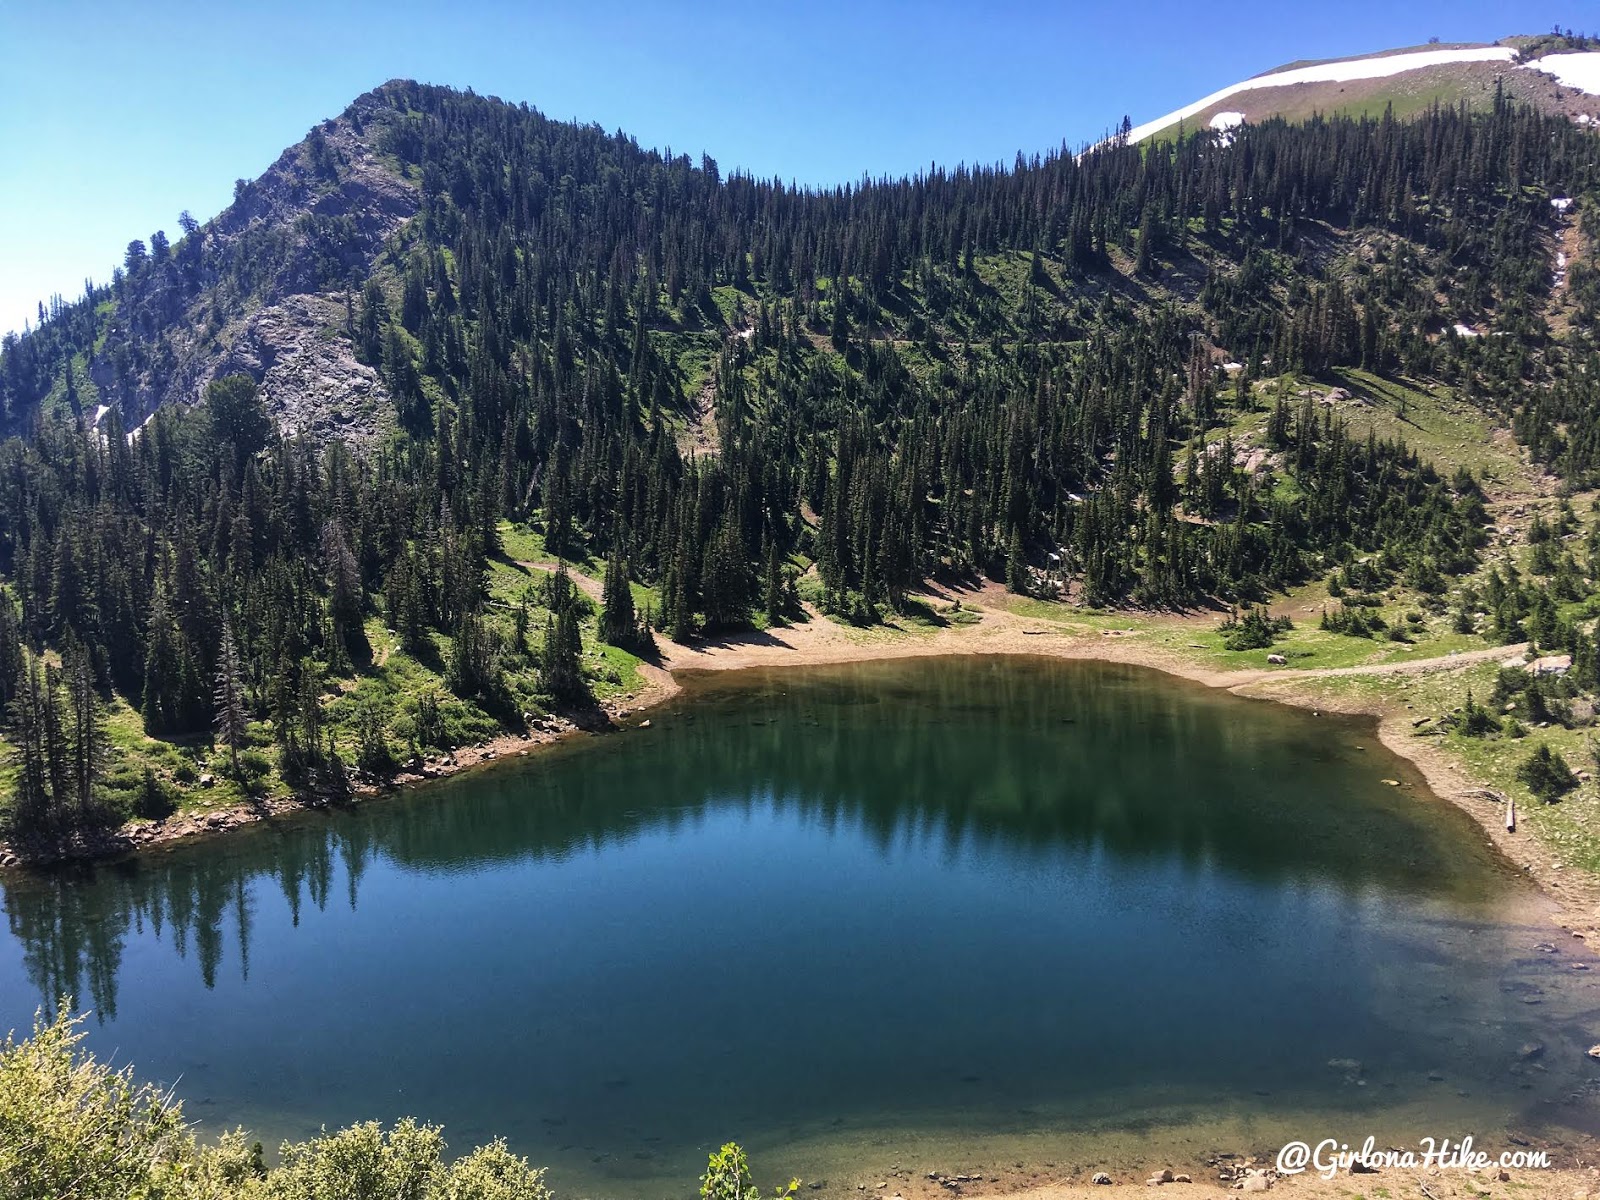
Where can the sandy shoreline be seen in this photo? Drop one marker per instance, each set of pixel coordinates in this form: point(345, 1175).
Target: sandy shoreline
point(821, 642)
point(1579, 1183)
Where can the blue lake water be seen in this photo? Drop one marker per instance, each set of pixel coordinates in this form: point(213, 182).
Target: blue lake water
point(949, 914)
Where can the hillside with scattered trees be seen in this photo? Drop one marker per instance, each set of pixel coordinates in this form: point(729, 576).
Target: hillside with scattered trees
point(290, 501)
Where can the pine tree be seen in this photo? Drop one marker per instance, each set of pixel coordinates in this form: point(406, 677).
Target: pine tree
point(618, 625)
point(773, 589)
point(346, 600)
point(31, 809)
point(57, 746)
point(1017, 566)
point(11, 654)
point(561, 662)
point(87, 735)
point(231, 721)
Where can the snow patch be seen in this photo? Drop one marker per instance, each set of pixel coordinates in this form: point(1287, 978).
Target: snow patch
point(1466, 331)
point(1333, 72)
point(1226, 124)
point(1561, 203)
point(1580, 69)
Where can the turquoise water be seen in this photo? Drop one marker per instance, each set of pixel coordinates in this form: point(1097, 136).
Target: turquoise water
point(932, 912)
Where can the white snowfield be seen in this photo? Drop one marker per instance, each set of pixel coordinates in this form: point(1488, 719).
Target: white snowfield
point(1333, 72)
point(1579, 70)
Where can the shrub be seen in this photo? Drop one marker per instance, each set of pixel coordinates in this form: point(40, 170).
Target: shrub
point(430, 727)
point(253, 764)
point(728, 1177)
point(71, 1126)
point(1546, 774)
point(1256, 630)
point(1476, 720)
point(373, 754)
point(154, 799)
point(1351, 619)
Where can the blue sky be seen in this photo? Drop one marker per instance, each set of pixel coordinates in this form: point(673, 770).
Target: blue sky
point(115, 116)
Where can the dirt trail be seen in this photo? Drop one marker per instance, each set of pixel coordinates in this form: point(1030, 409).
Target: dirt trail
point(586, 584)
point(1416, 666)
point(997, 631)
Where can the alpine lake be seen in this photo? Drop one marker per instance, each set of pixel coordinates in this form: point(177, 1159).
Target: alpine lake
point(999, 915)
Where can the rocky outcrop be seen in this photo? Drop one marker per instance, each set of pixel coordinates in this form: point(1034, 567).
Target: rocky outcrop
point(319, 217)
point(300, 353)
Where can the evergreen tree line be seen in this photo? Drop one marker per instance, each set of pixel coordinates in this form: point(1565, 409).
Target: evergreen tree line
point(888, 405)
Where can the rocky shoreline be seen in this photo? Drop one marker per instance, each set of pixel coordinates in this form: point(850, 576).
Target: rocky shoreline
point(1220, 1173)
point(138, 836)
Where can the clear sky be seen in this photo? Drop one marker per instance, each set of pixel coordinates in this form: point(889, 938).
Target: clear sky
point(117, 115)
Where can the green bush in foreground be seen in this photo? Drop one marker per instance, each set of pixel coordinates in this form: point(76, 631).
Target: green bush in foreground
point(71, 1126)
point(728, 1177)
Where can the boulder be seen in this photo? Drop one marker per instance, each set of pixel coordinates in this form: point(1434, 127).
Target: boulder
point(1276, 660)
point(1101, 1177)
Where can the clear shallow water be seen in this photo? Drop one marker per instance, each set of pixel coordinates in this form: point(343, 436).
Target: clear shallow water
point(934, 911)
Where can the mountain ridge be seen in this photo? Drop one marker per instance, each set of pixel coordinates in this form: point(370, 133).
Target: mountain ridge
point(332, 195)
point(447, 344)
point(1463, 72)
